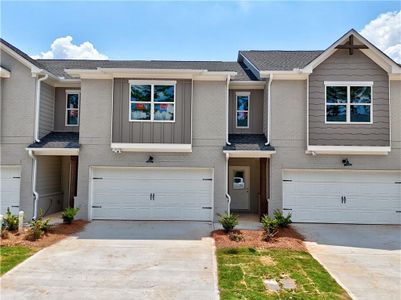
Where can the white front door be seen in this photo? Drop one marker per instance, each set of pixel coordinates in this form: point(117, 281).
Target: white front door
point(152, 193)
point(10, 178)
point(326, 196)
point(239, 185)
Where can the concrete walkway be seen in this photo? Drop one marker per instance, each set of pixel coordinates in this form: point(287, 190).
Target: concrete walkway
point(364, 259)
point(121, 260)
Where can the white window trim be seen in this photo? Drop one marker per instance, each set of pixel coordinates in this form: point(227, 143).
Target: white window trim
point(70, 92)
point(348, 85)
point(239, 94)
point(152, 84)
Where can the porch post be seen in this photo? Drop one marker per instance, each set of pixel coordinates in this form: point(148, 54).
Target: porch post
point(263, 182)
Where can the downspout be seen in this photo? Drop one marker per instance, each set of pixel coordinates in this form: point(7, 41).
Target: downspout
point(227, 194)
point(35, 193)
point(269, 108)
point(37, 107)
point(227, 109)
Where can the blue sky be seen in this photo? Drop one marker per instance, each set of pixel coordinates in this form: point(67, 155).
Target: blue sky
point(185, 30)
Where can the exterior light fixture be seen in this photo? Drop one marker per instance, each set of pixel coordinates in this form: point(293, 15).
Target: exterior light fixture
point(346, 163)
point(150, 160)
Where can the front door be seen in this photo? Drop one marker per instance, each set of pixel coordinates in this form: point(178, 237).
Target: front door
point(239, 184)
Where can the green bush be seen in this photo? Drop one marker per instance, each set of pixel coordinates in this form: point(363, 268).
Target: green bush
point(270, 226)
point(36, 229)
point(39, 227)
point(228, 221)
point(69, 214)
point(10, 221)
point(281, 220)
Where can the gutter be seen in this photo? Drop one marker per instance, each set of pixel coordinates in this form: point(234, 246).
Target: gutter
point(35, 193)
point(269, 109)
point(227, 109)
point(37, 106)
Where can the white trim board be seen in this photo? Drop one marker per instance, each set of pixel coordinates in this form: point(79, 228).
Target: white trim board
point(348, 150)
point(248, 153)
point(4, 73)
point(151, 147)
point(54, 151)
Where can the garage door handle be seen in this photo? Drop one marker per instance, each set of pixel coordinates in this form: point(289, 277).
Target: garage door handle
point(206, 207)
point(14, 205)
point(287, 208)
point(96, 206)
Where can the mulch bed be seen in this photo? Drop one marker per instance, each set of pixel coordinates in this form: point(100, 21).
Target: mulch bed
point(286, 238)
point(55, 234)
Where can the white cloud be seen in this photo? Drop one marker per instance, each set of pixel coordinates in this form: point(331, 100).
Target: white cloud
point(63, 47)
point(385, 33)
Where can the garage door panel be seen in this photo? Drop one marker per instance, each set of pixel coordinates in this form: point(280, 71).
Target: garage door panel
point(10, 180)
point(371, 197)
point(125, 193)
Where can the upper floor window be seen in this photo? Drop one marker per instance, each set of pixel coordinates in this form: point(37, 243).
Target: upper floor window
point(349, 102)
point(242, 110)
point(152, 101)
point(72, 108)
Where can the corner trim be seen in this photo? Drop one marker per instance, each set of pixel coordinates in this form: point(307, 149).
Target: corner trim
point(151, 147)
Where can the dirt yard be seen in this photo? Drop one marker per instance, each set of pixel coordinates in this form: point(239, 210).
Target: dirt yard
point(55, 234)
point(287, 238)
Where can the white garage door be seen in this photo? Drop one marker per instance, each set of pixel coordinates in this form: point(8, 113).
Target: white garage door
point(10, 177)
point(152, 194)
point(361, 197)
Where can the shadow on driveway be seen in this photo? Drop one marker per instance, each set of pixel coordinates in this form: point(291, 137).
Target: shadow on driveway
point(146, 230)
point(381, 237)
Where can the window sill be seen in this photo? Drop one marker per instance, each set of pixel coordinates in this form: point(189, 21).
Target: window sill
point(151, 147)
point(350, 150)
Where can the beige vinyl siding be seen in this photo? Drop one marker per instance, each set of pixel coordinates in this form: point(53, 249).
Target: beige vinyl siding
point(59, 110)
point(49, 184)
point(46, 118)
point(256, 109)
point(178, 132)
point(344, 67)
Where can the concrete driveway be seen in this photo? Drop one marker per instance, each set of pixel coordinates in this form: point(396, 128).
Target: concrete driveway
point(121, 260)
point(364, 259)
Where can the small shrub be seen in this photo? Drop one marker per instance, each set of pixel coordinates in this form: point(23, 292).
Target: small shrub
point(38, 227)
point(281, 220)
point(35, 229)
point(69, 214)
point(10, 221)
point(236, 236)
point(270, 226)
point(228, 221)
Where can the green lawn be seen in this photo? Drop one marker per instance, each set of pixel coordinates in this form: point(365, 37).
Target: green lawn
point(242, 271)
point(12, 256)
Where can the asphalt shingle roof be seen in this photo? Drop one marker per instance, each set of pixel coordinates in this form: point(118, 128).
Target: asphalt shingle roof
point(254, 142)
point(57, 66)
point(58, 140)
point(277, 60)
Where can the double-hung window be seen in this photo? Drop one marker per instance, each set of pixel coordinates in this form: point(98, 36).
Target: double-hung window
point(72, 108)
point(242, 110)
point(349, 102)
point(152, 101)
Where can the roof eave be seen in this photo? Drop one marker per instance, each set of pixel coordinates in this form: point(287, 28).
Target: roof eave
point(109, 73)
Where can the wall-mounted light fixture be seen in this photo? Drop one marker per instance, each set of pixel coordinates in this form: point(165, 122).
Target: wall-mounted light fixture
point(150, 160)
point(346, 163)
